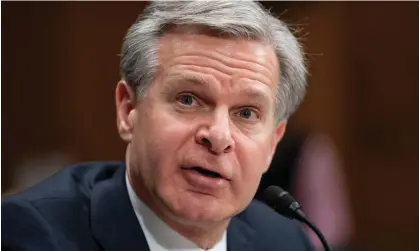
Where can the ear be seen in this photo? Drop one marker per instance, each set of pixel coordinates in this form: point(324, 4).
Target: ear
point(276, 138)
point(125, 104)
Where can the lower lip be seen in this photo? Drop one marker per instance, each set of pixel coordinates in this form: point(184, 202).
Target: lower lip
point(201, 181)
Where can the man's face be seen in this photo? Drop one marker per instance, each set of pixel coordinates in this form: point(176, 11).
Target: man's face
point(205, 132)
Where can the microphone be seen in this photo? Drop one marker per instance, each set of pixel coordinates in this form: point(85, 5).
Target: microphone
point(283, 203)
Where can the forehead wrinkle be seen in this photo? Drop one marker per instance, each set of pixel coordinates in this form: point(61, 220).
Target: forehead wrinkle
point(205, 71)
point(195, 62)
point(252, 63)
point(228, 65)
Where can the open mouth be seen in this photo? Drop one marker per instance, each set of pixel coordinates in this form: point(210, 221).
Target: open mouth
point(206, 172)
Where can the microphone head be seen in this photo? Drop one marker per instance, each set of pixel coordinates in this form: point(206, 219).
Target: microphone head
point(272, 194)
point(280, 200)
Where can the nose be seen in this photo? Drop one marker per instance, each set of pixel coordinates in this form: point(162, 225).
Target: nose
point(216, 134)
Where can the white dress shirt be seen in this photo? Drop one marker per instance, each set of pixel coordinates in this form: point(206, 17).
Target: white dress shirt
point(161, 237)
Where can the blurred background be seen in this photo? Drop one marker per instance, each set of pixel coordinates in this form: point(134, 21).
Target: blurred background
point(60, 67)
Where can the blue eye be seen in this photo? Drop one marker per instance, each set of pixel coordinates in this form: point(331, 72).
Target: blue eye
point(247, 113)
point(186, 99)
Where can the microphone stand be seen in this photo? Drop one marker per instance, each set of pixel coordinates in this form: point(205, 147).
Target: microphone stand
point(315, 230)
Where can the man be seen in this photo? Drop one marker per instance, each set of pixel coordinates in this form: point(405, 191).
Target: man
point(206, 90)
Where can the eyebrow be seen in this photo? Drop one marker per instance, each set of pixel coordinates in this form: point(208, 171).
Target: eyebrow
point(245, 92)
point(254, 94)
point(177, 80)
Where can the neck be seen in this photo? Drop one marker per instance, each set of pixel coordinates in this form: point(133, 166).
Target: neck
point(204, 234)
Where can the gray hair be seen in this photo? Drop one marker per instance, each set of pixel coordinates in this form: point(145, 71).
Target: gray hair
point(242, 19)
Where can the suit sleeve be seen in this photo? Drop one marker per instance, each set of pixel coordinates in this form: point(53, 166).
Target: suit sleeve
point(24, 228)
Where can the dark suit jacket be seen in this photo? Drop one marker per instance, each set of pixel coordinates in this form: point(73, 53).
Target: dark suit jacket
point(86, 207)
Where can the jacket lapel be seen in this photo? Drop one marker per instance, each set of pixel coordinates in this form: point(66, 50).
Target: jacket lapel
point(113, 220)
point(239, 235)
point(115, 225)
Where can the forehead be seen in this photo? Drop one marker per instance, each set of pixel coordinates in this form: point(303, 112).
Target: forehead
point(252, 56)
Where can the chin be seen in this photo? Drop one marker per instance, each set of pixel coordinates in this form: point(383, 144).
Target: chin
point(192, 207)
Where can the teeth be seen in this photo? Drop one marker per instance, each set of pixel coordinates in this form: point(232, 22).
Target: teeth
point(207, 172)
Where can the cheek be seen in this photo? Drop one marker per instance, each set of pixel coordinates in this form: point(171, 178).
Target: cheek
point(167, 135)
point(253, 156)
point(159, 136)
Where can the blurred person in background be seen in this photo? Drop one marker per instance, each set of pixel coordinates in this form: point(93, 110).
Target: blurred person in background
point(308, 165)
point(206, 92)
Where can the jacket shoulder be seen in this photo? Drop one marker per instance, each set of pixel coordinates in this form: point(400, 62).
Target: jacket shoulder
point(72, 181)
point(56, 212)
